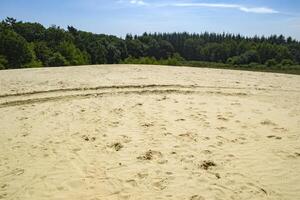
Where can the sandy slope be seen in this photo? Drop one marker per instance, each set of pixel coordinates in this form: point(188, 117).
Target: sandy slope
point(148, 132)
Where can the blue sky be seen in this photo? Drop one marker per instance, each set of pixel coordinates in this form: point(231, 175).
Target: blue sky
point(118, 17)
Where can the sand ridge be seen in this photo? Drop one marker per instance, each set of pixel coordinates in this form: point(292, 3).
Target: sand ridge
point(148, 132)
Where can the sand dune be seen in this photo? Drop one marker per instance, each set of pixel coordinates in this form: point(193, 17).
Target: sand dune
point(148, 132)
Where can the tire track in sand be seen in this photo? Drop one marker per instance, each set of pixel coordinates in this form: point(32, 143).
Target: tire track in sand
point(8, 100)
point(15, 99)
point(63, 90)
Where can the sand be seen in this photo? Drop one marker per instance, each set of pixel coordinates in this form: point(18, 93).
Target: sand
point(148, 132)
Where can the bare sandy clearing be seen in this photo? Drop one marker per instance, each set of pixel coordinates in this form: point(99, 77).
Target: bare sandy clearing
point(148, 132)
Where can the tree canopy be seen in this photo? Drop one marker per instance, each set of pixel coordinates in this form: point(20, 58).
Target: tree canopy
point(25, 44)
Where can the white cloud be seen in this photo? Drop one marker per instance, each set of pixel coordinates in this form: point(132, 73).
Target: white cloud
point(138, 2)
point(259, 10)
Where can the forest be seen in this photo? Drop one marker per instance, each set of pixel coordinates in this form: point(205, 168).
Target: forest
point(28, 45)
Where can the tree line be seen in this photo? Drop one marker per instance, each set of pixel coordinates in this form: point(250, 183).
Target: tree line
point(25, 44)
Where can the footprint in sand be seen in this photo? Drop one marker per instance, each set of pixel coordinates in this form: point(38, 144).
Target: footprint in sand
point(239, 140)
point(197, 197)
point(149, 124)
point(88, 138)
point(142, 175)
point(118, 111)
point(167, 133)
point(150, 155)
point(25, 134)
point(255, 188)
point(125, 139)
point(220, 117)
point(287, 155)
point(188, 158)
point(244, 126)
point(114, 124)
point(221, 128)
point(136, 105)
point(207, 164)
point(189, 136)
point(75, 150)
point(162, 99)
point(230, 114)
point(268, 123)
point(280, 129)
point(2, 196)
point(206, 152)
point(161, 184)
point(117, 146)
point(274, 137)
point(206, 124)
point(16, 172)
point(132, 182)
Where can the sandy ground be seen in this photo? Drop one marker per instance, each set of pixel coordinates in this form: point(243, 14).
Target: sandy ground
point(148, 132)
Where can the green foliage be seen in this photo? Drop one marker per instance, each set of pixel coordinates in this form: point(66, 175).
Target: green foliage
point(214, 52)
point(255, 65)
point(166, 49)
point(15, 48)
point(174, 60)
point(192, 49)
point(287, 62)
point(153, 49)
point(113, 54)
point(250, 56)
point(206, 64)
point(42, 52)
point(98, 52)
point(266, 52)
point(33, 64)
point(3, 62)
point(24, 44)
point(34, 61)
point(30, 31)
point(135, 48)
point(235, 60)
point(57, 60)
point(271, 63)
point(72, 54)
point(54, 36)
point(142, 60)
